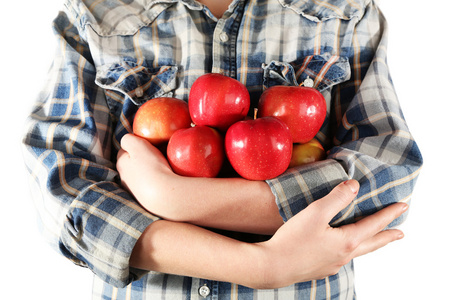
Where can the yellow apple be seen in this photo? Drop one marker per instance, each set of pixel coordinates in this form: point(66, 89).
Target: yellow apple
point(309, 152)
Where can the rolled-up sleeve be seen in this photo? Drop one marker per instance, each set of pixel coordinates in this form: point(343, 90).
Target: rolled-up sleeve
point(84, 212)
point(370, 140)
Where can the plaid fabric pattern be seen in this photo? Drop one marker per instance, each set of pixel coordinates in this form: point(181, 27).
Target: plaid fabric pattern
point(164, 286)
point(112, 56)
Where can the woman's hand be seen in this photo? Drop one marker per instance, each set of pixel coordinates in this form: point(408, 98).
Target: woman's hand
point(307, 248)
point(143, 169)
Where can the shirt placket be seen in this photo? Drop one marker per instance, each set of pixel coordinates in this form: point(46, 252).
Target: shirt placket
point(224, 42)
point(209, 290)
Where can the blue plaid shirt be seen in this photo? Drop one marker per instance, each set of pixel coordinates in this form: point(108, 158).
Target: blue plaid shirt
point(112, 56)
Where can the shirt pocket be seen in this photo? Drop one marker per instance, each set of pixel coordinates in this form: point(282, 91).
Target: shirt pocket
point(135, 82)
point(324, 71)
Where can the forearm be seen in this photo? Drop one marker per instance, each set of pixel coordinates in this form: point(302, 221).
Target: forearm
point(185, 249)
point(304, 248)
point(224, 203)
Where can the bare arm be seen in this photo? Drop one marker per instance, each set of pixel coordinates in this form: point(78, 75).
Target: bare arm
point(224, 203)
point(304, 248)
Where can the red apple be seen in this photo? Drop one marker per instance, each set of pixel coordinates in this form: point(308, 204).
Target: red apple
point(218, 101)
point(259, 149)
point(157, 119)
point(303, 109)
point(309, 152)
point(196, 152)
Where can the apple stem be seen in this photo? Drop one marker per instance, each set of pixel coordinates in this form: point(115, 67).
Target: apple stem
point(255, 113)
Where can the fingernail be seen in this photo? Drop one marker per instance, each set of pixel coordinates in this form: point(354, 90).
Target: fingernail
point(352, 184)
point(400, 236)
point(405, 207)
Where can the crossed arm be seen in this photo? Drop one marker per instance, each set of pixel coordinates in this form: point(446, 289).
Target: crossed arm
point(302, 249)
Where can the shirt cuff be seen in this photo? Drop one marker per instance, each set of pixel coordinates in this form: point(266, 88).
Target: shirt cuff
point(298, 187)
point(101, 231)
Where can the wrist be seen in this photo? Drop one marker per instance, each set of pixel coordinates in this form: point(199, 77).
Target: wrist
point(157, 197)
point(248, 267)
point(264, 274)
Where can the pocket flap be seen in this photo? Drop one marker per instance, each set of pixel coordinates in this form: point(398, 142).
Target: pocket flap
point(325, 70)
point(136, 81)
point(323, 10)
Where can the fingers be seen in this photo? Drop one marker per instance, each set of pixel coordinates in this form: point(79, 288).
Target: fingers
point(126, 140)
point(141, 151)
point(368, 234)
point(136, 146)
point(130, 141)
point(122, 154)
point(373, 224)
point(338, 199)
point(378, 241)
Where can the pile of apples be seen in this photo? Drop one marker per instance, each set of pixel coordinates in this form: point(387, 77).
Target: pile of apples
point(213, 127)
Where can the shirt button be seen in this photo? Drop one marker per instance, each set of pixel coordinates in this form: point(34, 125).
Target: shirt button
point(139, 92)
point(204, 291)
point(223, 37)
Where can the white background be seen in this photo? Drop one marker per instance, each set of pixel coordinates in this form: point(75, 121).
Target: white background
point(414, 268)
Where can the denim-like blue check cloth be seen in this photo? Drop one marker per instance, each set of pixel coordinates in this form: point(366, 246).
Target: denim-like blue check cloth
point(112, 56)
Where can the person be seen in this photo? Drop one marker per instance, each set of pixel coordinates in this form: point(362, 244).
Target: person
point(109, 201)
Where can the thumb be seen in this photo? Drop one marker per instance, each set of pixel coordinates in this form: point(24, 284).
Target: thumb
point(338, 199)
point(135, 145)
point(130, 141)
